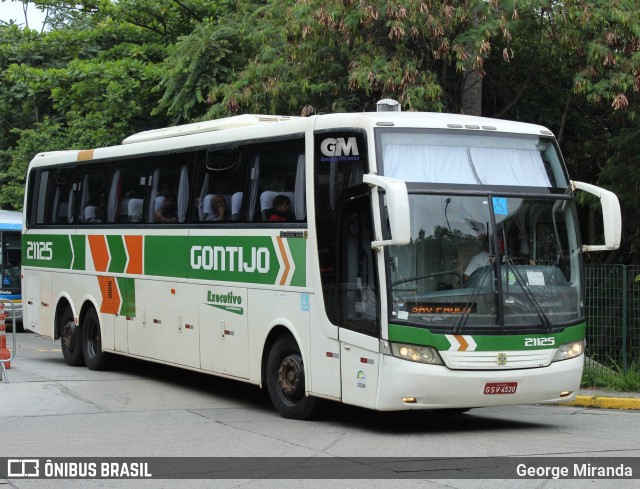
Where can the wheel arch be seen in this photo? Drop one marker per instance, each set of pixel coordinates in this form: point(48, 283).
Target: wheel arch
point(276, 331)
point(64, 303)
point(86, 305)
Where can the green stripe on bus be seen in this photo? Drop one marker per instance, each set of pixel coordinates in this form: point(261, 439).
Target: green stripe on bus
point(128, 295)
point(245, 259)
point(117, 252)
point(51, 251)
point(489, 342)
point(78, 243)
point(298, 247)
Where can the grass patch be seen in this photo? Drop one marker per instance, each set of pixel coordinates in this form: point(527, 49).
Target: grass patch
point(613, 379)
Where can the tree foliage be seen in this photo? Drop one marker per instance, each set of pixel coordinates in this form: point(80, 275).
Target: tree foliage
point(103, 69)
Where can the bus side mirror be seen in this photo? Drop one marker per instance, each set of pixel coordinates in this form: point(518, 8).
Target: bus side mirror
point(611, 216)
point(397, 200)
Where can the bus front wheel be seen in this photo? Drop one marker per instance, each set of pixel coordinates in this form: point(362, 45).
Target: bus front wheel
point(94, 357)
point(70, 340)
point(285, 381)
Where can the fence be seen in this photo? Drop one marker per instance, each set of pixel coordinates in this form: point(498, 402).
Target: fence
point(613, 316)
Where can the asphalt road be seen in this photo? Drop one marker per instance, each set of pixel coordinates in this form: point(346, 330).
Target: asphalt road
point(140, 409)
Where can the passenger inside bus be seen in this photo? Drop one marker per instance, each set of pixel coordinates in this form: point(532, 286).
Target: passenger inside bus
point(165, 209)
point(281, 209)
point(214, 208)
point(480, 259)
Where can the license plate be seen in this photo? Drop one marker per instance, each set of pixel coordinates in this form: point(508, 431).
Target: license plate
point(500, 387)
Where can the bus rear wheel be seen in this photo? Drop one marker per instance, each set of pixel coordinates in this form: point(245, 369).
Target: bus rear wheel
point(285, 381)
point(70, 340)
point(94, 357)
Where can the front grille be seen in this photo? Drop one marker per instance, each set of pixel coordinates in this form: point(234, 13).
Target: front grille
point(488, 360)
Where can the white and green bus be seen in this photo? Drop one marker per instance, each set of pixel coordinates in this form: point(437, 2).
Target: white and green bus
point(390, 260)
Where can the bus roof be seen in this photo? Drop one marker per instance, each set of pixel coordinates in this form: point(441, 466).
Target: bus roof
point(10, 220)
point(252, 127)
point(205, 126)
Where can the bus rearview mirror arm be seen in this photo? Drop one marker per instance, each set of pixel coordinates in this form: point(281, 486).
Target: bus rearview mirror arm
point(397, 200)
point(610, 214)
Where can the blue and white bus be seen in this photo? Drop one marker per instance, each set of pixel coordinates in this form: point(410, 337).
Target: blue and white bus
point(10, 261)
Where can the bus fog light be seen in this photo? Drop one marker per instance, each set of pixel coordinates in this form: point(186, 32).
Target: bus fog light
point(569, 350)
point(415, 353)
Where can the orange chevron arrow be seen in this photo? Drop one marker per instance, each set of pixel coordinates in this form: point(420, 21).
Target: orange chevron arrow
point(463, 343)
point(287, 265)
point(99, 252)
point(134, 250)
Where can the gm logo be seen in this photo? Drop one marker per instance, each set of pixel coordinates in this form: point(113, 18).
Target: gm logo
point(339, 147)
point(23, 467)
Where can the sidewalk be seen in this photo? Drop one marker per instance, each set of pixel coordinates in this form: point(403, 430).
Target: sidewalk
point(598, 398)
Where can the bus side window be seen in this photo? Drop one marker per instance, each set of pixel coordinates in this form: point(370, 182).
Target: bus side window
point(90, 196)
point(169, 190)
point(278, 169)
point(126, 190)
point(218, 188)
point(63, 196)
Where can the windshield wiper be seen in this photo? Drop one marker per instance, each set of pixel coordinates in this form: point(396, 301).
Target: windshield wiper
point(544, 319)
point(466, 311)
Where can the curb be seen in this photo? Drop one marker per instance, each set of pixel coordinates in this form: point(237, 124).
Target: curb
point(604, 402)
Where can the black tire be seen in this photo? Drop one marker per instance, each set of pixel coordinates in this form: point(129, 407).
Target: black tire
point(71, 340)
point(94, 357)
point(285, 381)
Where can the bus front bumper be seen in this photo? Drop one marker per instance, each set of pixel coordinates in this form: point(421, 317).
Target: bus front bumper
point(410, 385)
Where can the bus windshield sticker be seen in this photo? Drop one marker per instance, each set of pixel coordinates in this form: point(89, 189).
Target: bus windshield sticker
point(535, 278)
point(500, 206)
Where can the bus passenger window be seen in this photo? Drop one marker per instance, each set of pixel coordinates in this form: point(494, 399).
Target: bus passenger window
point(91, 194)
point(277, 172)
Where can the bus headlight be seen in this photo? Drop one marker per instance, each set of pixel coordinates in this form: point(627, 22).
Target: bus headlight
point(569, 350)
point(415, 353)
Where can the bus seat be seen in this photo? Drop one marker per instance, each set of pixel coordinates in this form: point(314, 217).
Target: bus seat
point(158, 202)
point(90, 214)
point(236, 206)
point(62, 214)
point(207, 207)
point(135, 210)
point(266, 202)
point(123, 210)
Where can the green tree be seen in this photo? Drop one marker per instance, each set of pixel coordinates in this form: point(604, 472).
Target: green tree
point(344, 55)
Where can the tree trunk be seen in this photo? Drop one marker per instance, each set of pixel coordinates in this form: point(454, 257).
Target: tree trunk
point(472, 93)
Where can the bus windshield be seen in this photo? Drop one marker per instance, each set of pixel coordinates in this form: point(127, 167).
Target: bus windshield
point(472, 159)
point(482, 261)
